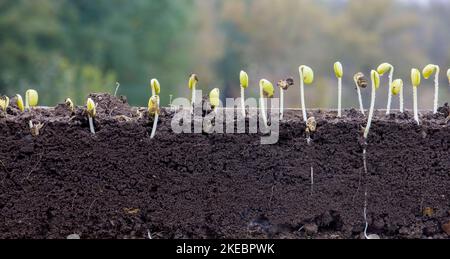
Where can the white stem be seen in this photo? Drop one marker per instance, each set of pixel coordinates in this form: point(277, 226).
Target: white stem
point(372, 107)
point(281, 103)
point(30, 123)
point(302, 96)
point(262, 106)
point(117, 89)
point(391, 75)
point(243, 101)
point(155, 124)
point(361, 106)
point(416, 109)
point(91, 124)
point(193, 100)
point(401, 100)
point(339, 97)
point(436, 91)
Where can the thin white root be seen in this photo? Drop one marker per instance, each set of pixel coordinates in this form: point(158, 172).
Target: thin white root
point(361, 106)
point(416, 109)
point(243, 101)
point(339, 97)
point(91, 124)
point(155, 124)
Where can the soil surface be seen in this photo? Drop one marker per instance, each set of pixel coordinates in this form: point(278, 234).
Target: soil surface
point(119, 183)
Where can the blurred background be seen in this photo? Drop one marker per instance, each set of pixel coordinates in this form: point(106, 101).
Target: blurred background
point(69, 48)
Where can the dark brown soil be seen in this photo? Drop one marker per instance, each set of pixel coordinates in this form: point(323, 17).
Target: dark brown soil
point(119, 183)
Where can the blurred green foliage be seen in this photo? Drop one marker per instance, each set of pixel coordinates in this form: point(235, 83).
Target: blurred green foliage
point(68, 48)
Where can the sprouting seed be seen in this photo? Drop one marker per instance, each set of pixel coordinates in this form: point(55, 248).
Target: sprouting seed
point(397, 86)
point(375, 78)
point(382, 69)
point(214, 98)
point(91, 112)
point(243, 78)
point(4, 103)
point(117, 89)
point(360, 82)
point(339, 72)
point(155, 86)
point(193, 80)
point(427, 72)
point(31, 98)
point(20, 103)
point(306, 77)
point(266, 90)
point(415, 80)
point(153, 109)
point(70, 104)
point(284, 86)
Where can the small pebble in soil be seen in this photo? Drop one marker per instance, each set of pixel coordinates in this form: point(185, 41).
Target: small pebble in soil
point(73, 236)
point(311, 229)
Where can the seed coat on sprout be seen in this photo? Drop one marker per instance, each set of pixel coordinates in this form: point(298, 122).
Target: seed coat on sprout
point(284, 86)
point(360, 82)
point(70, 104)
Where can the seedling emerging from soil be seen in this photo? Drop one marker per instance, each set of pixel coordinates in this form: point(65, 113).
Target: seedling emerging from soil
point(397, 89)
point(266, 90)
point(360, 82)
point(193, 80)
point(243, 78)
point(117, 89)
point(4, 103)
point(284, 85)
point(156, 87)
point(375, 78)
point(91, 112)
point(20, 103)
point(427, 72)
point(306, 77)
point(382, 69)
point(70, 104)
point(415, 80)
point(214, 98)
point(339, 72)
point(31, 98)
point(153, 109)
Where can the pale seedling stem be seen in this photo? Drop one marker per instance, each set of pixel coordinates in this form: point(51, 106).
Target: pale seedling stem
point(339, 97)
point(117, 89)
point(391, 76)
point(302, 95)
point(436, 90)
point(262, 105)
point(416, 109)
